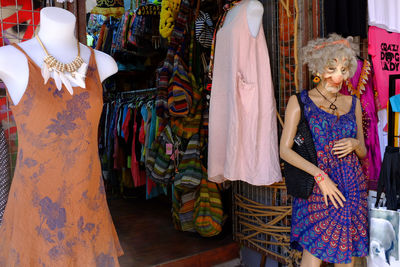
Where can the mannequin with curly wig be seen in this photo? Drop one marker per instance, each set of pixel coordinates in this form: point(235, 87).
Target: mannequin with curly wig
point(331, 225)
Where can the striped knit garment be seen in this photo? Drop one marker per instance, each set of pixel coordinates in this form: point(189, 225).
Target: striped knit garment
point(165, 72)
point(4, 174)
point(159, 166)
point(189, 170)
point(208, 211)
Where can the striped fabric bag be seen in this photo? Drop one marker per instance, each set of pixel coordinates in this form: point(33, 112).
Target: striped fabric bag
point(208, 211)
point(189, 170)
point(180, 91)
point(160, 167)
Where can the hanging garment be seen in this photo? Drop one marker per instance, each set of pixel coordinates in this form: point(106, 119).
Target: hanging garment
point(333, 235)
point(4, 173)
point(384, 14)
point(389, 181)
point(243, 136)
point(384, 49)
point(362, 86)
point(57, 212)
point(347, 18)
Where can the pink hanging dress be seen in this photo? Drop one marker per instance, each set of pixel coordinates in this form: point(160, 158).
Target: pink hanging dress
point(243, 136)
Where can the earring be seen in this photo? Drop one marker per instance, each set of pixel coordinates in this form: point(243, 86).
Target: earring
point(316, 79)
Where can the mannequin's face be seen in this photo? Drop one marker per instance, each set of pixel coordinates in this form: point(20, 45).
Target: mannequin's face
point(336, 71)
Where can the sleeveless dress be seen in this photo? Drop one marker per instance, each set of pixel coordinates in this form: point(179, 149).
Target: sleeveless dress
point(57, 214)
point(333, 235)
point(243, 135)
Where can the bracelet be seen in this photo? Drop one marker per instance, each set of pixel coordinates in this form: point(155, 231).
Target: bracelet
point(319, 178)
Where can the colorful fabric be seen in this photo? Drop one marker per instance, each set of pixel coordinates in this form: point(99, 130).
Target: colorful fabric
point(57, 213)
point(164, 73)
point(361, 85)
point(330, 234)
point(208, 212)
point(218, 26)
point(169, 12)
point(114, 8)
point(189, 170)
point(384, 49)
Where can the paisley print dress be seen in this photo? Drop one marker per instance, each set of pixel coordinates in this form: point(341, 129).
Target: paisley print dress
point(57, 214)
point(333, 235)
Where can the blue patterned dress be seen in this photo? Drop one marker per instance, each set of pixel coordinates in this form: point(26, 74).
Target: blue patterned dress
point(330, 234)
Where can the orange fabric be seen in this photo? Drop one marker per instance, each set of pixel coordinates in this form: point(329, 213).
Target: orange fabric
point(57, 213)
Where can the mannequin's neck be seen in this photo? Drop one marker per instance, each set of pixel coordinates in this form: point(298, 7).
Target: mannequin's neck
point(326, 92)
point(57, 27)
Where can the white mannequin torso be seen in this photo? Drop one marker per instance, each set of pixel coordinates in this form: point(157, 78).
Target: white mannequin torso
point(56, 32)
point(254, 12)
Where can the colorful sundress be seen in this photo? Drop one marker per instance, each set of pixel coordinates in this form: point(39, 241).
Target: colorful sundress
point(333, 235)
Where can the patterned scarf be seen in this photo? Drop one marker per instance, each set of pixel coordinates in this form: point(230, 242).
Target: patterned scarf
point(218, 26)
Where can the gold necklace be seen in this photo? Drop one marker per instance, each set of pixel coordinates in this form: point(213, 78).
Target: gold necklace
point(53, 63)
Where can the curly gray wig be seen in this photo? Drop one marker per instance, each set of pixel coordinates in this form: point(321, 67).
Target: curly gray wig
point(321, 52)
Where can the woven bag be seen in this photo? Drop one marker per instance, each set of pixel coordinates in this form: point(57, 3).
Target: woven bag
point(180, 89)
point(159, 165)
point(208, 211)
point(299, 183)
point(190, 172)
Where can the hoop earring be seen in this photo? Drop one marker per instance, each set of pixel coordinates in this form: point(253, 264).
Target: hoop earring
point(316, 79)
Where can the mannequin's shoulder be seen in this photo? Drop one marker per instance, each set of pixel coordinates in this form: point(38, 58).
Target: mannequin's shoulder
point(10, 54)
point(106, 65)
point(102, 57)
point(256, 7)
point(255, 11)
point(13, 63)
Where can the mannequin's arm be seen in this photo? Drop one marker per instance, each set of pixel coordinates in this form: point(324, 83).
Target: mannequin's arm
point(361, 150)
point(106, 65)
point(255, 12)
point(292, 119)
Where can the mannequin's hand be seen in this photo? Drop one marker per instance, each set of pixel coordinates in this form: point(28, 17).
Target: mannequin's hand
point(329, 189)
point(345, 146)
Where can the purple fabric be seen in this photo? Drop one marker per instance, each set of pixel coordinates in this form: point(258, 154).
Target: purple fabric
point(371, 164)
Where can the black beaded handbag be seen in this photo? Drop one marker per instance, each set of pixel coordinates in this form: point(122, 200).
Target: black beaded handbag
point(299, 183)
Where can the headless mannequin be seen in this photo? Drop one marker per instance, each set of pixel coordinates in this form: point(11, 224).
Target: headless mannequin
point(254, 11)
point(57, 27)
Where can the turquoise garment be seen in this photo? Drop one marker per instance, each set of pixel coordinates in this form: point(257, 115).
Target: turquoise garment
point(395, 102)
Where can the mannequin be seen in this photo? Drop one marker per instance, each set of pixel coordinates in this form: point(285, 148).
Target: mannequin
point(58, 213)
point(336, 213)
point(57, 27)
point(254, 12)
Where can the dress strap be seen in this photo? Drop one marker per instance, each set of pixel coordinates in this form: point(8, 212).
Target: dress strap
point(353, 104)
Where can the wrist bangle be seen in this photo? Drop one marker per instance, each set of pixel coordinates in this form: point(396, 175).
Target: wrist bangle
point(319, 178)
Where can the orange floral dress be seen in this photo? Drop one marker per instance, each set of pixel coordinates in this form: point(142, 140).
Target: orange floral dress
point(57, 214)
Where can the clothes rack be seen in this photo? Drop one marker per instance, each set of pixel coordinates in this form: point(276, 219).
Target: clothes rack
point(138, 91)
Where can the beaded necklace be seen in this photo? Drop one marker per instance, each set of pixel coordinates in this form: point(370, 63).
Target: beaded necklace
point(63, 73)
